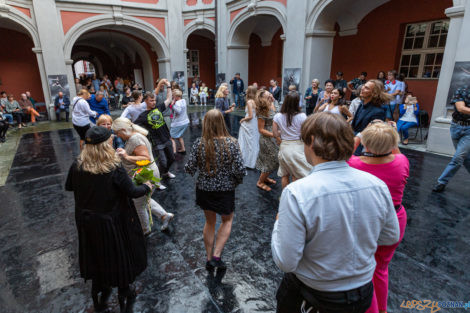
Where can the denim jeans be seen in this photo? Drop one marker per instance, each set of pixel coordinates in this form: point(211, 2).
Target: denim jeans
point(403, 127)
point(389, 110)
point(461, 139)
point(57, 113)
point(8, 117)
point(238, 99)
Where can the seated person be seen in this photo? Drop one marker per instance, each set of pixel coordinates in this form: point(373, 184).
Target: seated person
point(3, 127)
point(61, 104)
point(408, 116)
point(28, 108)
point(12, 107)
point(99, 104)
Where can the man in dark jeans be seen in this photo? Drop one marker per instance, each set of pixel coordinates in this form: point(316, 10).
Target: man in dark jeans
point(159, 135)
point(61, 104)
point(329, 226)
point(237, 88)
point(460, 134)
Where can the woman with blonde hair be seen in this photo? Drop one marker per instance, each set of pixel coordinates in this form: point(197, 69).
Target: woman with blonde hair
point(382, 158)
point(106, 121)
point(216, 156)
point(179, 121)
point(138, 148)
point(267, 160)
point(222, 104)
point(248, 135)
point(111, 245)
point(81, 114)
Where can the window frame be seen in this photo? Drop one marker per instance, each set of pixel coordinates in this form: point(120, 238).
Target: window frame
point(190, 63)
point(422, 51)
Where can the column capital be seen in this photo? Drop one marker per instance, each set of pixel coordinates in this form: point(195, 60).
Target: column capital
point(69, 61)
point(320, 33)
point(163, 60)
point(455, 11)
point(238, 46)
point(283, 37)
point(37, 50)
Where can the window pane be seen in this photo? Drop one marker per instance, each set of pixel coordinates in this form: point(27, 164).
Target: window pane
point(408, 43)
point(438, 60)
point(442, 41)
point(411, 30)
point(445, 27)
point(433, 41)
point(436, 72)
point(405, 59)
point(418, 43)
point(429, 59)
point(415, 59)
point(427, 72)
point(404, 70)
point(437, 27)
point(421, 30)
point(413, 72)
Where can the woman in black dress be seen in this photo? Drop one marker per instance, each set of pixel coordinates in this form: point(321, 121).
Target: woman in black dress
point(111, 243)
point(217, 157)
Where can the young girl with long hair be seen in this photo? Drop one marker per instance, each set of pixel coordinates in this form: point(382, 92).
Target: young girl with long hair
point(217, 159)
point(287, 127)
point(335, 104)
point(248, 135)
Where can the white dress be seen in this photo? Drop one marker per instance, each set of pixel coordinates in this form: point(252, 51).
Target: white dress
point(248, 138)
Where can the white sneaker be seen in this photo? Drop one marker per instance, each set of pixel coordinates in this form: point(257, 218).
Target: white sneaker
point(166, 220)
point(169, 175)
point(161, 187)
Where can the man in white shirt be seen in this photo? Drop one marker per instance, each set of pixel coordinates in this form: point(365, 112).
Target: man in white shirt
point(329, 226)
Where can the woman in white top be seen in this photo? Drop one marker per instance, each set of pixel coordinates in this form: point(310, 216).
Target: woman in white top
point(81, 113)
point(248, 135)
point(138, 148)
point(336, 104)
point(179, 120)
point(133, 109)
point(194, 94)
point(287, 127)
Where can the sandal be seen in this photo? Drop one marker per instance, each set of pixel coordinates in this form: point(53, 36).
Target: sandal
point(263, 187)
point(270, 181)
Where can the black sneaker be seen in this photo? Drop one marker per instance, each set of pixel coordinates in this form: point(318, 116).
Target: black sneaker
point(439, 187)
point(209, 266)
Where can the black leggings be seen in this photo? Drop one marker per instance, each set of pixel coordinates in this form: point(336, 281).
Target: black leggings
point(3, 128)
point(18, 116)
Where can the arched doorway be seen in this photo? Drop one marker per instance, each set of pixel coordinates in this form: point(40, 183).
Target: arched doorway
point(131, 47)
point(200, 57)
point(18, 62)
point(256, 49)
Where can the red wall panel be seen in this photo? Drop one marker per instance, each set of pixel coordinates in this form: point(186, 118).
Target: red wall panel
point(206, 49)
point(19, 66)
point(377, 45)
point(265, 62)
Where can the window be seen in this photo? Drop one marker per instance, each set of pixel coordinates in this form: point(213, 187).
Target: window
point(423, 49)
point(192, 61)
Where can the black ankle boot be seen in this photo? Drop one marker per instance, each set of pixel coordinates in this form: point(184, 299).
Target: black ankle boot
point(96, 303)
point(127, 299)
point(105, 294)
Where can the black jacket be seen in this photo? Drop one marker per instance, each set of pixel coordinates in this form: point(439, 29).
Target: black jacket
point(365, 114)
point(111, 242)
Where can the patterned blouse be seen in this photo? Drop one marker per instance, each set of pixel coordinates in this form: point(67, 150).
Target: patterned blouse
point(230, 169)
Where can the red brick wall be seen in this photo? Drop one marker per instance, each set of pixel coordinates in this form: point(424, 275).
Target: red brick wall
point(377, 45)
point(206, 49)
point(19, 67)
point(265, 62)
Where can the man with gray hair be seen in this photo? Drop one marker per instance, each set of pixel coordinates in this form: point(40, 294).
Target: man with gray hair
point(99, 104)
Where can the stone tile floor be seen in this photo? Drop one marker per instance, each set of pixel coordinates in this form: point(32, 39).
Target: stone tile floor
point(38, 241)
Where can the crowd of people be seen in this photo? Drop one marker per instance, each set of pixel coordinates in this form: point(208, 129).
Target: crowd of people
point(340, 214)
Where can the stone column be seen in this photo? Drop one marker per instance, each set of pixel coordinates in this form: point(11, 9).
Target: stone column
point(237, 62)
point(457, 49)
point(175, 39)
point(43, 75)
point(294, 37)
point(318, 53)
point(52, 41)
point(223, 26)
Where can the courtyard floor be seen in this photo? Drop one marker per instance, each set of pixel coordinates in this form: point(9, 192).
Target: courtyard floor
point(38, 241)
